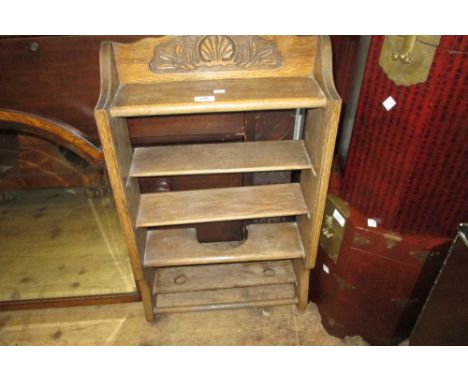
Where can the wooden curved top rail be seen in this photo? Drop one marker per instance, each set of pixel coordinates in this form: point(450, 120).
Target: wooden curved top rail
point(323, 70)
point(55, 131)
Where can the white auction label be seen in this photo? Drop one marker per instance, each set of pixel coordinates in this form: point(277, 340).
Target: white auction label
point(339, 218)
point(204, 98)
point(389, 103)
point(372, 223)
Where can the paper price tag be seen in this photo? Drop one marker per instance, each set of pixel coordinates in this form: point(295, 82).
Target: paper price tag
point(389, 103)
point(204, 98)
point(339, 218)
point(372, 223)
point(326, 269)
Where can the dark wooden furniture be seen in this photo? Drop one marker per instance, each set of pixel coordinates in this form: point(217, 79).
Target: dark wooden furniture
point(371, 281)
point(444, 318)
point(44, 153)
point(49, 87)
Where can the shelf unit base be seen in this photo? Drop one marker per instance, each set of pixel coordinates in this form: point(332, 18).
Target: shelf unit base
point(235, 298)
point(224, 286)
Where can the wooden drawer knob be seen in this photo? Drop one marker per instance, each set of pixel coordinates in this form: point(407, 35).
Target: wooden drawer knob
point(269, 272)
point(34, 46)
point(164, 185)
point(180, 279)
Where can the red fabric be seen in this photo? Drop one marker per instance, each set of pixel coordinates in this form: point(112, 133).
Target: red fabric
point(408, 167)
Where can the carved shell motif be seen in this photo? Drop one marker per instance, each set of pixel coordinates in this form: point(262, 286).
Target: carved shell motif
point(216, 50)
point(189, 53)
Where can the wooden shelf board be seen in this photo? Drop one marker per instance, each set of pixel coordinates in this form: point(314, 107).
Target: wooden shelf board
point(266, 295)
point(177, 247)
point(222, 276)
point(219, 158)
point(238, 305)
point(221, 204)
point(178, 97)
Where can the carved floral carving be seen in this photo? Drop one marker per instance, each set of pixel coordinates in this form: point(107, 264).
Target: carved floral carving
point(190, 53)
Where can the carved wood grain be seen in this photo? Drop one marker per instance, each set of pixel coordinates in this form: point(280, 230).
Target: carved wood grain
point(133, 60)
point(189, 53)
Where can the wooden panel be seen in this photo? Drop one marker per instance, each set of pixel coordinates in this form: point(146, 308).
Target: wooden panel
point(232, 305)
point(117, 149)
point(133, 60)
point(269, 126)
point(302, 284)
point(197, 128)
point(240, 94)
point(53, 76)
point(180, 246)
point(219, 158)
point(62, 302)
point(222, 276)
point(224, 204)
point(319, 137)
point(266, 295)
point(444, 318)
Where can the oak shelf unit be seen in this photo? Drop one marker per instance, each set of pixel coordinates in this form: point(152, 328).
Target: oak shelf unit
point(206, 74)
